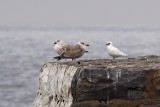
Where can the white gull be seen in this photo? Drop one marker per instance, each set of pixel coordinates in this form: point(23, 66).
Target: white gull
point(113, 51)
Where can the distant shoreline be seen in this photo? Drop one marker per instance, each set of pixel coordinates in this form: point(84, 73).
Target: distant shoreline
point(81, 28)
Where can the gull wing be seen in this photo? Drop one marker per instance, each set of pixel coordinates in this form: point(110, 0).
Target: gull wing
point(74, 52)
point(116, 52)
point(67, 47)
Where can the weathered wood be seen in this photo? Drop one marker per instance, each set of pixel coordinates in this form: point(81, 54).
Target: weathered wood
point(100, 83)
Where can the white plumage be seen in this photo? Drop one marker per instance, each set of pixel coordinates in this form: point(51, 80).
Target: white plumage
point(113, 51)
point(59, 46)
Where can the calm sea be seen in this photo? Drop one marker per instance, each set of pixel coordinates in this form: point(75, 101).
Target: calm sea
point(23, 52)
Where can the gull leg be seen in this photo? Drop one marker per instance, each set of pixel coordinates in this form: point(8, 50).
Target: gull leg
point(79, 62)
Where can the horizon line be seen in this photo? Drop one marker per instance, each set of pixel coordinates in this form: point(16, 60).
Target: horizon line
point(77, 28)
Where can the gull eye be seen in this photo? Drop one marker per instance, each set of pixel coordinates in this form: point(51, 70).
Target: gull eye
point(108, 43)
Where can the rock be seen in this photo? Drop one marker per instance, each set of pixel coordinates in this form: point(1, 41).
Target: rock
point(100, 83)
point(54, 85)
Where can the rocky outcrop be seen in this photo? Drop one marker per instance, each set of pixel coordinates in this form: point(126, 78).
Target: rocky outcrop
point(54, 86)
point(133, 82)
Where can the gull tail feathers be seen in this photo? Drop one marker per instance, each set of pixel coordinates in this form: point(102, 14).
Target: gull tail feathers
point(124, 54)
point(58, 58)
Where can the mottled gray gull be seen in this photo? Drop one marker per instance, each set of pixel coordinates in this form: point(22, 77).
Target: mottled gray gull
point(73, 51)
point(59, 46)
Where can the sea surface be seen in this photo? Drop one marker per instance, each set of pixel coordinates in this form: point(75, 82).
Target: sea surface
point(23, 52)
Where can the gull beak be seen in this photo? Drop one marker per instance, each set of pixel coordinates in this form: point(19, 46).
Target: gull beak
point(86, 44)
point(55, 42)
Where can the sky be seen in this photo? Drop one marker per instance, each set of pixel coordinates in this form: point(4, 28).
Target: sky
point(82, 13)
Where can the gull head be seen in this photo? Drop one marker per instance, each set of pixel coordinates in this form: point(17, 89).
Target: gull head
point(59, 42)
point(83, 45)
point(109, 43)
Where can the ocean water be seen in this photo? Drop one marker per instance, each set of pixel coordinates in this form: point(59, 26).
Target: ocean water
point(23, 52)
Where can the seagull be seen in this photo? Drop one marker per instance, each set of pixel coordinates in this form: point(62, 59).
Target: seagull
point(60, 47)
point(59, 44)
point(73, 51)
point(113, 51)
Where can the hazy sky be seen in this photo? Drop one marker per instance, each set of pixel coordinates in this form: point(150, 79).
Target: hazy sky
point(129, 13)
